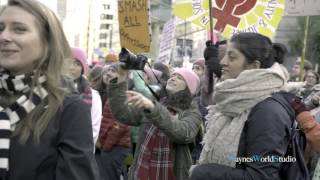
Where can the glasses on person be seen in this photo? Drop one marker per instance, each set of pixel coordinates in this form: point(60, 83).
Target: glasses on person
point(311, 77)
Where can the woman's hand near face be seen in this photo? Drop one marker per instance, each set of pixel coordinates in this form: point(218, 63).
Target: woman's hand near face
point(138, 100)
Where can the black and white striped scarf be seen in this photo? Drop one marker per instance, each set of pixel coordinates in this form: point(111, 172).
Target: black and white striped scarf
point(10, 115)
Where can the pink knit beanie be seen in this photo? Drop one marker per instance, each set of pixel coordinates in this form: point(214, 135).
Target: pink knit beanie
point(80, 56)
point(190, 78)
point(200, 62)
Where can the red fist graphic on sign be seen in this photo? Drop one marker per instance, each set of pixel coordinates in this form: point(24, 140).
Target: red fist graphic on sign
point(229, 10)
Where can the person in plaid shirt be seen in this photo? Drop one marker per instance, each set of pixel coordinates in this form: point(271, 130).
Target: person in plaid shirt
point(166, 127)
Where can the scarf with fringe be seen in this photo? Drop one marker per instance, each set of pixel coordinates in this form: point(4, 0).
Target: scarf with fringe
point(234, 100)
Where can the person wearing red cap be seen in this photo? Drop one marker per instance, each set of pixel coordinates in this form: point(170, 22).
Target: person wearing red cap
point(166, 127)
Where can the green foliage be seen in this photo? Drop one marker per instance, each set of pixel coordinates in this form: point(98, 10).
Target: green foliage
point(313, 39)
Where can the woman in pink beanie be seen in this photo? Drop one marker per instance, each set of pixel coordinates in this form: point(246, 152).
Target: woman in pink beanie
point(191, 80)
point(90, 96)
point(77, 69)
point(81, 58)
point(166, 127)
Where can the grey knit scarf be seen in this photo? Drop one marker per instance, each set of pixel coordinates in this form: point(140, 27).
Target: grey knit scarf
point(234, 99)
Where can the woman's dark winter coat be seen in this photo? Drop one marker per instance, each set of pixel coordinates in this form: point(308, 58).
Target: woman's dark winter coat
point(265, 133)
point(65, 150)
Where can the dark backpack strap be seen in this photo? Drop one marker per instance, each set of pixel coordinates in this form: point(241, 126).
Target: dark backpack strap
point(293, 128)
point(297, 142)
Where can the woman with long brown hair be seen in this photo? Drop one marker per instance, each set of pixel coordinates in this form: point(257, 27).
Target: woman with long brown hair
point(45, 130)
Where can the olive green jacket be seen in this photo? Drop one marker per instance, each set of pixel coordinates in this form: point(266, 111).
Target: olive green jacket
point(181, 129)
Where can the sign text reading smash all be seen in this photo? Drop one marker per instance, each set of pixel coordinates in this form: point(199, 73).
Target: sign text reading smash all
point(134, 25)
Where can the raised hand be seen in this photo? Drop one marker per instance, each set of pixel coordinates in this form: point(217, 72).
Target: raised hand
point(137, 100)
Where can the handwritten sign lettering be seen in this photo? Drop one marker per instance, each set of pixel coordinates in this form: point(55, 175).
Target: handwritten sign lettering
point(233, 16)
point(197, 7)
point(272, 4)
point(135, 42)
point(134, 25)
point(130, 5)
point(166, 42)
point(253, 29)
point(131, 21)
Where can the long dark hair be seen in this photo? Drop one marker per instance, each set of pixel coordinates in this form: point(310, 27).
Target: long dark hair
point(257, 47)
point(82, 84)
point(181, 100)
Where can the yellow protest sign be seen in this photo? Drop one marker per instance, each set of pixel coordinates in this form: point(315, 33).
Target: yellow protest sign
point(134, 25)
point(234, 16)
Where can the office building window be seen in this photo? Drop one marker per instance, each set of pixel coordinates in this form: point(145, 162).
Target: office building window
point(106, 16)
point(104, 26)
point(102, 45)
point(103, 36)
point(106, 6)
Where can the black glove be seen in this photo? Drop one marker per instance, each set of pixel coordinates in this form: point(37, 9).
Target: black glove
point(211, 59)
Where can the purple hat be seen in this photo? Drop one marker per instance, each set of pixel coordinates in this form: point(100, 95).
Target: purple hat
point(80, 56)
point(190, 78)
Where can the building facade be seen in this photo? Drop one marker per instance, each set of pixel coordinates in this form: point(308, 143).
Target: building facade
point(75, 18)
point(108, 39)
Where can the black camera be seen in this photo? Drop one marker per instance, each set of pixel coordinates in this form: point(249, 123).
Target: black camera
point(132, 61)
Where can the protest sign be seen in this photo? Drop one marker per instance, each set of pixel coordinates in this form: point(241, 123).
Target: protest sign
point(134, 25)
point(231, 17)
point(166, 42)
